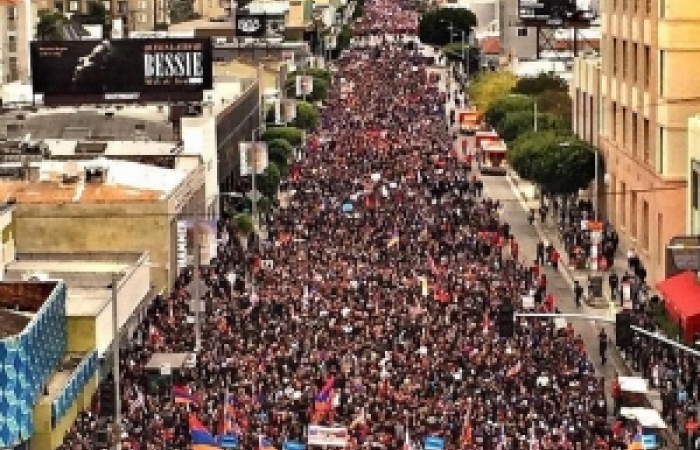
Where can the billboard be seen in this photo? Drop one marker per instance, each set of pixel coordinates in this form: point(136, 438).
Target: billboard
point(251, 25)
point(555, 12)
point(252, 153)
point(121, 71)
point(189, 234)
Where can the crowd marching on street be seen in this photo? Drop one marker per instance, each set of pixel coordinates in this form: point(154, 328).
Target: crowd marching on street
point(376, 288)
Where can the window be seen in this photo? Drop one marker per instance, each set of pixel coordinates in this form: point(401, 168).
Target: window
point(591, 120)
point(633, 215)
point(645, 141)
point(123, 7)
point(613, 121)
point(660, 238)
point(647, 65)
point(645, 225)
point(522, 32)
point(11, 13)
point(624, 126)
point(108, 5)
point(143, 18)
point(142, 4)
point(623, 204)
point(624, 58)
point(59, 7)
point(12, 44)
point(635, 6)
point(624, 5)
point(614, 56)
point(633, 63)
point(647, 11)
point(74, 6)
point(694, 186)
point(13, 69)
point(660, 162)
point(633, 133)
point(662, 68)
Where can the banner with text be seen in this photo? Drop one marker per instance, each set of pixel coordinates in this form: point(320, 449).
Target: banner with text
point(189, 234)
point(252, 154)
point(121, 71)
point(328, 436)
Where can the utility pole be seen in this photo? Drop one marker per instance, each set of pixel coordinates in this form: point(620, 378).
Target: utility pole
point(197, 281)
point(116, 342)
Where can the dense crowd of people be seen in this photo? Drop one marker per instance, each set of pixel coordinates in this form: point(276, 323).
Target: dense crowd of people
point(377, 283)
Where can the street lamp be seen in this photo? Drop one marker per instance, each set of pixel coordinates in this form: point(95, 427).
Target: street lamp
point(535, 124)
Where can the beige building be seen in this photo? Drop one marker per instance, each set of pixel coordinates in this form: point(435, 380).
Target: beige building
point(586, 98)
point(692, 227)
point(17, 24)
point(648, 90)
point(104, 205)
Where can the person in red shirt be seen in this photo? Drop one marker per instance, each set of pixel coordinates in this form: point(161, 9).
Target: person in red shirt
point(549, 302)
point(554, 258)
point(514, 249)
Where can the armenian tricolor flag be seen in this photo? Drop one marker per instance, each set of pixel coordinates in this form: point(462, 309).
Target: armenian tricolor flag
point(182, 394)
point(201, 438)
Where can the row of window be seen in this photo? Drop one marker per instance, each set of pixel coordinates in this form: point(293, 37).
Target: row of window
point(123, 6)
point(639, 223)
point(625, 127)
point(630, 60)
point(633, 6)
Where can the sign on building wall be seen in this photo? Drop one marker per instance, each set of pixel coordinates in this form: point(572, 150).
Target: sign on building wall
point(121, 71)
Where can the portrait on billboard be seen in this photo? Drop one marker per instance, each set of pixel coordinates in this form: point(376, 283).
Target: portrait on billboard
point(121, 70)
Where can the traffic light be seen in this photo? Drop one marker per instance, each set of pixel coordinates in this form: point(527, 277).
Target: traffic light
point(623, 330)
point(505, 320)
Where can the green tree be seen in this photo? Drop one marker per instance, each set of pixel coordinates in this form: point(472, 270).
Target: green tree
point(517, 123)
point(320, 89)
point(501, 107)
point(279, 151)
point(557, 103)
point(343, 40)
point(96, 14)
point(558, 163)
point(488, 87)
point(268, 182)
point(48, 27)
point(290, 134)
point(539, 84)
point(434, 25)
point(314, 72)
point(307, 116)
point(243, 223)
point(453, 52)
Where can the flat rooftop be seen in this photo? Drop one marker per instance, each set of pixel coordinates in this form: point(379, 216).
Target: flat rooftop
point(87, 277)
point(60, 378)
point(12, 323)
point(125, 181)
point(105, 122)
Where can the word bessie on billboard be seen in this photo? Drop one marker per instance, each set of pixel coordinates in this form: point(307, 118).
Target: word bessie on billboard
point(121, 71)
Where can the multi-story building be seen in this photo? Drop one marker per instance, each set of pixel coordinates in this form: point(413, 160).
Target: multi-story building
point(16, 30)
point(648, 90)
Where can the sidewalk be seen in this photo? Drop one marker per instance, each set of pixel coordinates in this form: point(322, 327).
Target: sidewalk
point(548, 231)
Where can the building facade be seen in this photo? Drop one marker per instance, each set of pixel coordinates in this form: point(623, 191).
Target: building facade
point(17, 24)
point(29, 357)
point(692, 227)
point(648, 92)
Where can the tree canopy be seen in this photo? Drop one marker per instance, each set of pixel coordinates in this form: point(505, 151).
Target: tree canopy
point(268, 182)
point(541, 83)
point(501, 107)
point(453, 52)
point(557, 103)
point(489, 87)
point(307, 116)
point(434, 25)
point(48, 27)
point(279, 151)
point(558, 163)
point(290, 134)
point(518, 123)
